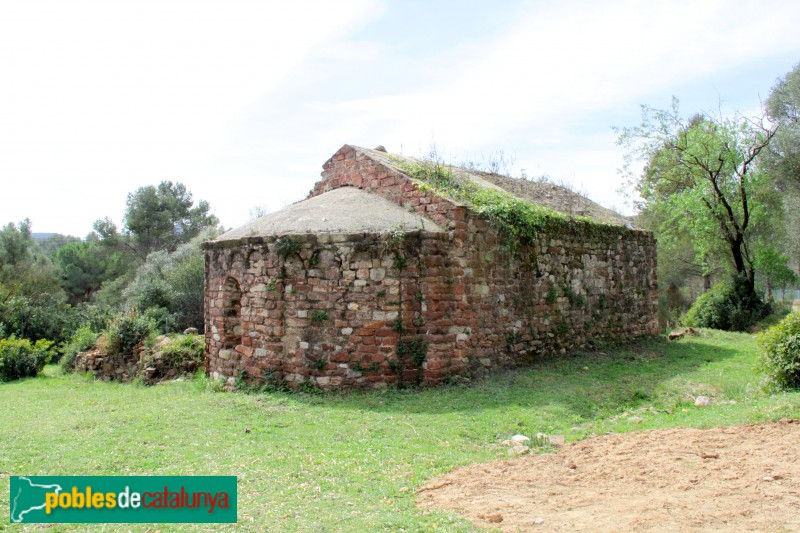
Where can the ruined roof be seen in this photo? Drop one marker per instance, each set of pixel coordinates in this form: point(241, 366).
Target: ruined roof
point(555, 197)
point(342, 210)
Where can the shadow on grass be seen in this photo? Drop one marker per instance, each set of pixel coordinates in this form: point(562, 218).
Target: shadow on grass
point(587, 385)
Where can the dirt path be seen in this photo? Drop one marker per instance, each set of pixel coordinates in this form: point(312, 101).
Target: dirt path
point(741, 478)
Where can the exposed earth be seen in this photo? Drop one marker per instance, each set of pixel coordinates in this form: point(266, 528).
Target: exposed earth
point(740, 478)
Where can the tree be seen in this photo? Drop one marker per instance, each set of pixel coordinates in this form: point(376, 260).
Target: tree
point(84, 266)
point(783, 155)
point(771, 264)
point(15, 246)
point(702, 175)
point(783, 107)
point(21, 272)
point(156, 218)
point(163, 217)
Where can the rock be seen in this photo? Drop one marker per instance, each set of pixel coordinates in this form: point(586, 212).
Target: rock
point(635, 419)
point(190, 331)
point(538, 520)
point(494, 518)
point(519, 449)
point(519, 439)
point(556, 440)
point(702, 401)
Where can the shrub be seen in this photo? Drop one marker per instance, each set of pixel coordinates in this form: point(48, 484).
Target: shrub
point(124, 333)
point(83, 339)
point(20, 359)
point(46, 316)
point(728, 306)
point(780, 357)
point(169, 286)
point(184, 348)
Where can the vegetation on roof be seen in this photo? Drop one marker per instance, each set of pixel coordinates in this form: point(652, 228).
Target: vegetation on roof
point(520, 220)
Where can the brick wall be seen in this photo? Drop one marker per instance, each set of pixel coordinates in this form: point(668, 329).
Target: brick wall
point(344, 311)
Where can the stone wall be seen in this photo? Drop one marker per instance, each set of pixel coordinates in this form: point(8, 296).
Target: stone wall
point(331, 312)
point(148, 364)
point(372, 310)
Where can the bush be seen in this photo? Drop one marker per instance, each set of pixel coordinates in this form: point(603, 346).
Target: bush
point(45, 317)
point(171, 285)
point(124, 333)
point(83, 339)
point(20, 359)
point(780, 358)
point(727, 306)
point(184, 348)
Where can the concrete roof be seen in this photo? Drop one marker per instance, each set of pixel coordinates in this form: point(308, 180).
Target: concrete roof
point(342, 210)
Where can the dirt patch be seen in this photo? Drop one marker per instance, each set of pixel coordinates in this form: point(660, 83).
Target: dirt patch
point(741, 478)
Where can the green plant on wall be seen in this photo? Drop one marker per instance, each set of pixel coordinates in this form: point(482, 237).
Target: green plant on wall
point(416, 348)
point(286, 246)
point(520, 220)
point(319, 317)
point(552, 295)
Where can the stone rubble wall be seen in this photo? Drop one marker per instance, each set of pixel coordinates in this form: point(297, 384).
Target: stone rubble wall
point(331, 313)
point(150, 367)
point(461, 305)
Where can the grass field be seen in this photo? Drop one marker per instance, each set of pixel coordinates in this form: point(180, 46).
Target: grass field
point(351, 462)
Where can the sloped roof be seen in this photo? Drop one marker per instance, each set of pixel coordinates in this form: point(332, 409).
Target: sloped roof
point(543, 193)
point(343, 210)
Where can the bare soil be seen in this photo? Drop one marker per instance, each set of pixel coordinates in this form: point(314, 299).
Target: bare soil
point(741, 478)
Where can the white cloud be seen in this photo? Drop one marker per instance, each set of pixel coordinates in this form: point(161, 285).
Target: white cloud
point(102, 97)
point(567, 59)
point(243, 101)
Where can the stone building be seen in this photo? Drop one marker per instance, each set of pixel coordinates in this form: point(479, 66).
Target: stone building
point(392, 272)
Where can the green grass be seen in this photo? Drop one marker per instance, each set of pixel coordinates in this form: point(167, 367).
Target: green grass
point(351, 462)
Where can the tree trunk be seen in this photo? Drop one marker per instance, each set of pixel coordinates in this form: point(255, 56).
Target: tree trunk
point(769, 289)
point(740, 264)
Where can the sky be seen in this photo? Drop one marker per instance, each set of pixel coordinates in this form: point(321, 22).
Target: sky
point(243, 101)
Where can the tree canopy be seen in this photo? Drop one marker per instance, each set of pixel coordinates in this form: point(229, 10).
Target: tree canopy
point(84, 267)
point(783, 107)
point(702, 177)
point(157, 218)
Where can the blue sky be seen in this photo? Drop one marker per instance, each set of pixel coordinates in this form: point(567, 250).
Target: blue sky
point(243, 101)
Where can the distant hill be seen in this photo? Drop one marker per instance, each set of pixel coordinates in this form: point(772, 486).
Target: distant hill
point(42, 236)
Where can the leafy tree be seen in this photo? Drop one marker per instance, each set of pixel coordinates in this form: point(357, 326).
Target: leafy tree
point(783, 107)
point(771, 264)
point(783, 155)
point(164, 217)
point(701, 176)
point(46, 316)
point(84, 266)
point(49, 246)
point(21, 272)
point(791, 206)
point(15, 247)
